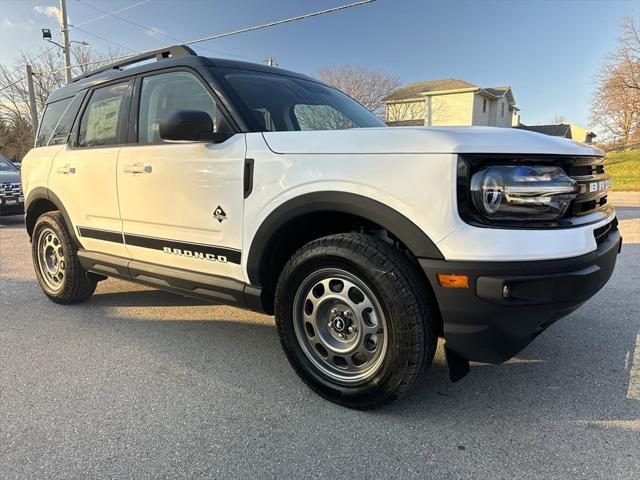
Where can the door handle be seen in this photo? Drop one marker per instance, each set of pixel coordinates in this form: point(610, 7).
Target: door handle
point(138, 168)
point(66, 170)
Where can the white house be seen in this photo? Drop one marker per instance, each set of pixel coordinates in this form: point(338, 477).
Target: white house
point(451, 102)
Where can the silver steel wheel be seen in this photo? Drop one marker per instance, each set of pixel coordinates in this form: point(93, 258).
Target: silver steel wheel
point(51, 259)
point(340, 325)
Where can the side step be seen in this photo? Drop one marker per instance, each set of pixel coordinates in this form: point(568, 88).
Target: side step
point(211, 288)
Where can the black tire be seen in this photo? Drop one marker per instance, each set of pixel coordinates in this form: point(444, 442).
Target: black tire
point(408, 308)
point(72, 283)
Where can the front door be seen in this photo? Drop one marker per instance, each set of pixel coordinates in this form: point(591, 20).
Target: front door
point(83, 175)
point(182, 202)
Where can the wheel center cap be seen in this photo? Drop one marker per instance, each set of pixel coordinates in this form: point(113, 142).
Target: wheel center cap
point(339, 324)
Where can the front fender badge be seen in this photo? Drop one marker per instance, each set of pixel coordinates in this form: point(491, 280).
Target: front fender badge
point(219, 214)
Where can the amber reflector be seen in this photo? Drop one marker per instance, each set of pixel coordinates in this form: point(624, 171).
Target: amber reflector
point(451, 280)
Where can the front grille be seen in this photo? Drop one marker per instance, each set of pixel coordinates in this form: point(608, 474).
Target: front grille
point(594, 185)
point(10, 189)
point(601, 233)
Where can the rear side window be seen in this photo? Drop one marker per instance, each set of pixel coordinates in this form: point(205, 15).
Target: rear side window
point(60, 134)
point(52, 115)
point(102, 119)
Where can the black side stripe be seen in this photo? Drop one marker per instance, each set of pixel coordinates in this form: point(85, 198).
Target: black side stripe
point(106, 235)
point(232, 255)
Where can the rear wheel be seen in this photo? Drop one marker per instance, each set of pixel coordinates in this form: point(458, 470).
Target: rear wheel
point(55, 259)
point(355, 319)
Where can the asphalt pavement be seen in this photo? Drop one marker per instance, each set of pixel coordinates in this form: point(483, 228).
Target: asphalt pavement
point(137, 383)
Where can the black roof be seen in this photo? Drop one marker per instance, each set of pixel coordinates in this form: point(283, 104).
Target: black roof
point(557, 130)
point(116, 71)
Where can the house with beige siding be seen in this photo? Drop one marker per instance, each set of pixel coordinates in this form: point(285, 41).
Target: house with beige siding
point(451, 102)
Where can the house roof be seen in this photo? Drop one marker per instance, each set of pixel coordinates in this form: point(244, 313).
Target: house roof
point(559, 130)
point(416, 90)
point(406, 123)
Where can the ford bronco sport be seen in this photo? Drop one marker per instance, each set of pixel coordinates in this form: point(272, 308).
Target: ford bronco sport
point(258, 187)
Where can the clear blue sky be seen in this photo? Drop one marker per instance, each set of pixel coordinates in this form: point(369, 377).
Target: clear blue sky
point(548, 51)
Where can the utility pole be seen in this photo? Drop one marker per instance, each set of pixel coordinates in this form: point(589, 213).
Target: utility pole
point(65, 41)
point(32, 99)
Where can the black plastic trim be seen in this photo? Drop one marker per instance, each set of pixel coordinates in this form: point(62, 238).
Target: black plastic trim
point(211, 288)
point(98, 234)
point(43, 193)
point(341, 202)
point(485, 323)
point(248, 177)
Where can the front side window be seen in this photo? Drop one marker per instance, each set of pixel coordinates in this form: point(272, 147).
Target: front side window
point(52, 115)
point(101, 119)
point(161, 94)
point(276, 102)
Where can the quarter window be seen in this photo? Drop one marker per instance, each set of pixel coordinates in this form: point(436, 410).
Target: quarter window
point(52, 116)
point(161, 94)
point(100, 123)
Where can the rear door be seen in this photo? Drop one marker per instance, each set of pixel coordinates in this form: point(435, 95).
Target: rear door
point(181, 202)
point(83, 175)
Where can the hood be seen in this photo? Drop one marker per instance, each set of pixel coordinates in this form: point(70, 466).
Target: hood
point(10, 177)
point(424, 140)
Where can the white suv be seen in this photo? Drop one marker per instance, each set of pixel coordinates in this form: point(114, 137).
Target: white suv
point(262, 188)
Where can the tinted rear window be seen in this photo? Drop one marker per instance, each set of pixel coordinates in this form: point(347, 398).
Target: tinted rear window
point(52, 115)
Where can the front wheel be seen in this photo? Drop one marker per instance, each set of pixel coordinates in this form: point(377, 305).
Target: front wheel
point(355, 319)
point(59, 273)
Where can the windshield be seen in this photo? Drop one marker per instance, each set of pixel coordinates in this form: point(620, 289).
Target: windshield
point(6, 165)
point(275, 102)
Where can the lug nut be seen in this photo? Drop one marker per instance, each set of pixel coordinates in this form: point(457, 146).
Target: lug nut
point(506, 291)
point(348, 313)
point(351, 329)
point(330, 325)
point(334, 311)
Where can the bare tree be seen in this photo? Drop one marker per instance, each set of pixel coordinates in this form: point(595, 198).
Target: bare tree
point(369, 87)
point(48, 75)
point(616, 103)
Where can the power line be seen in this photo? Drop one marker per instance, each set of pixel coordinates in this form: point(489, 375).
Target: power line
point(104, 39)
point(12, 84)
point(158, 32)
point(214, 37)
point(109, 14)
point(279, 22)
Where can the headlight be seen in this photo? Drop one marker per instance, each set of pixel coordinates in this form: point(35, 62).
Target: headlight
point(522, 192)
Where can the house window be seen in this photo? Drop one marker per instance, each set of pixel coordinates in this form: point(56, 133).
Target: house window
point(484, 105)
point(502, 109)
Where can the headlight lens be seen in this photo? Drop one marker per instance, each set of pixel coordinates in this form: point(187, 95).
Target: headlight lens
point(522, 192)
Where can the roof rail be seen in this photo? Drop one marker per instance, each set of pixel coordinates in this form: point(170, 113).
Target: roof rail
point(159, 54)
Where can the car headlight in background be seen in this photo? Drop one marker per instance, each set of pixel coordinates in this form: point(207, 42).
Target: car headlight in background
point(522, 192)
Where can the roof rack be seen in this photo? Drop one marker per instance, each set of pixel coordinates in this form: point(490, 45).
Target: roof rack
point(159, 54)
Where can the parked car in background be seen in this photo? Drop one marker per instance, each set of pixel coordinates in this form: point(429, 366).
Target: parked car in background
point(11, 197)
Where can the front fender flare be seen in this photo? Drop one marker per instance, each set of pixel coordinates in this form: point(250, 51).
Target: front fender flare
point(416, 240)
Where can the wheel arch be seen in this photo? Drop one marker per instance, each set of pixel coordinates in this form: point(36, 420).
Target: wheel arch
point(291, 225)
point(42, 200)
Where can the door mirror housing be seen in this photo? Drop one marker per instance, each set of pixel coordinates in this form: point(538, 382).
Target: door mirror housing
point(190, 125)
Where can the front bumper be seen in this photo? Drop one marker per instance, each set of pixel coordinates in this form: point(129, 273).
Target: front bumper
point(481, 324)
point(11, 207)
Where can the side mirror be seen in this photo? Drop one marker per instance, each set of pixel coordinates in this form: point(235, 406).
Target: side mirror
point(189, 125)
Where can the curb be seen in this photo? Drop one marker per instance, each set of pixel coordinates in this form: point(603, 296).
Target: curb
point(624, 199)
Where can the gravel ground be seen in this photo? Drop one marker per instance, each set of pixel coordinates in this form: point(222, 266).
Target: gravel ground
point(137, 383)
